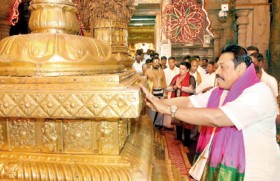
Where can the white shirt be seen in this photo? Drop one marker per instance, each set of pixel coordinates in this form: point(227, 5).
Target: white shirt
point(271, 82)
point(208, 81)
point(202, 72)
point(195, 77)
point(138, 67)
point(253, 112)
point(170, 74)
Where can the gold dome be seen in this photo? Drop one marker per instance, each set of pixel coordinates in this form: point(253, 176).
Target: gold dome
point(52, 49)
point(52, 54)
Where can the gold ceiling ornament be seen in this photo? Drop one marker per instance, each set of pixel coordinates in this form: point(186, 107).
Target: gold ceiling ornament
point(52, 49)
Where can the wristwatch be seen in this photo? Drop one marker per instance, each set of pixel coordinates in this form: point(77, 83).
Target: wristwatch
point(173, 110)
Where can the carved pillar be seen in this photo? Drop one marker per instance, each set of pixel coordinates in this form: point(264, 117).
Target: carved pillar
point(217, 41)
point(4, 29)
point(109, 21)
point(163, 45)
point(242, 23)
point(5, 9)
point(274, 40)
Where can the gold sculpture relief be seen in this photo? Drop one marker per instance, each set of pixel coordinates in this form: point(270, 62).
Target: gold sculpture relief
point(44, 17)
point(123, 131)
point(50, 136)
point(77, 136)
point(22, 133)
point(105, 137)
point(1, 135)
point(59, 104)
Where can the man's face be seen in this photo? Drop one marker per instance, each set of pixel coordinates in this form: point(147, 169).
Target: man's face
point(163, 62)
point(194, 66)
point(257, 64)
point(138, 58)
point(227, 74)
point(156, 63)
point(171, 63)
point(210, 68)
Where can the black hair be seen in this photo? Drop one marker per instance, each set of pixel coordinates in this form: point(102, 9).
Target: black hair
point(163, 57)
point(148, 61)
point(187, 64)
point(187, 57)
point(171, 58)
point(212, 62)
point(253, 48)
point(258, 56)
point(240, 54)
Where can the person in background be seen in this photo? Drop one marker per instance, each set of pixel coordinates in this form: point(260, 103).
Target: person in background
point(163, 61)
point(209, 79)
point(187, 58)
point(171, 70)
point(147, 65)
point(182, 84)
point(200, 68)
point(242, 110)
point(258, 61)
point(252, 49)
point(157, 86)
point(194, 72)
point(137, 65)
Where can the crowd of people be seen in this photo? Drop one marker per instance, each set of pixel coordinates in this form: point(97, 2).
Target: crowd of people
point(231, 101)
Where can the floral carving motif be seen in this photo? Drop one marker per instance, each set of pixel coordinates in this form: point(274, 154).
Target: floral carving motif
point(50, 136)
point(182, 21)
point(105, 138)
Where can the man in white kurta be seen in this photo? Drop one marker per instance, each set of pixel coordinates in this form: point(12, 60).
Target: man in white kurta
point(255, 115)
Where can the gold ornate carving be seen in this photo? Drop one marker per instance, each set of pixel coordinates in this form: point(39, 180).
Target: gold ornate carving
point(105, 9)
point(105, 137)
point(67, 101)
point(55, 54)
point(77, 135)
point(1, 135)
point(133, 163)
point(123, 131)
point(53, 16)
point(50, 136)
point(22, 133)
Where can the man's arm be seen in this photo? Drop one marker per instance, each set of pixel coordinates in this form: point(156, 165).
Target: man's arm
point(186, 112)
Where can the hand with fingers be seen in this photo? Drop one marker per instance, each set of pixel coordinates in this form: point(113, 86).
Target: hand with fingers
point(153, 102)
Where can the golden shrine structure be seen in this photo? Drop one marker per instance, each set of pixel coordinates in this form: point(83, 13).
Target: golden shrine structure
point(69, 109)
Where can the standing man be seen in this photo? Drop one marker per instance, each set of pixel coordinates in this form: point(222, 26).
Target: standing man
point(263, 76)
point(194, 72)
point(243, 110)
point(252, 49)
point(163, 61)
point(157, 86)
point(209, 79)
point(138, 64)
point(171, 71)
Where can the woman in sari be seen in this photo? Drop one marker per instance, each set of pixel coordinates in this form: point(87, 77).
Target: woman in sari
point(182, 84)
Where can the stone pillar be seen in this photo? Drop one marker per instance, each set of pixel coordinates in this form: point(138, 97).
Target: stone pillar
point(274, 67)
point(5, 9)
point(163, 45)
point(217, 41)
point(109, 22)
point(242, 23)
point(4, 29)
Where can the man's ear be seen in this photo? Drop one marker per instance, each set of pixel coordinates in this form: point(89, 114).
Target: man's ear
point(241, 68)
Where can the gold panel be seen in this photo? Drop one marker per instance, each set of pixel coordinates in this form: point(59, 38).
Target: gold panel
point(72, 100)
point(133, 163)
point(145, 34)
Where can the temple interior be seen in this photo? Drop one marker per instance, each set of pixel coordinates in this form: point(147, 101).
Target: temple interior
point(70, 103)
